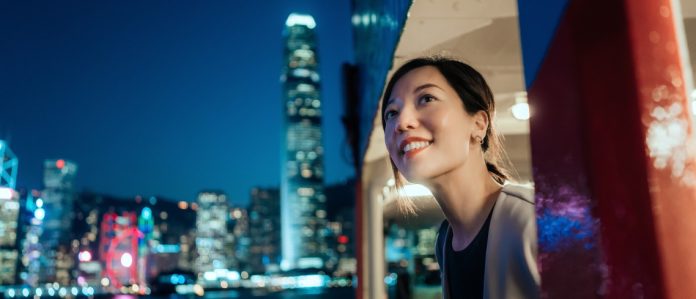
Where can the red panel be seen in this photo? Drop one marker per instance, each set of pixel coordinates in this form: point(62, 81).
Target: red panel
point(669, 143)
point(615, 178)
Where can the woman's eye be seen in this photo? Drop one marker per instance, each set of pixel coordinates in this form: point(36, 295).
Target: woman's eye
point(426, 99)
point(389, 114)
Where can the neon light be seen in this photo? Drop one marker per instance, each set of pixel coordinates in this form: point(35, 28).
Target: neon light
point(126, 260)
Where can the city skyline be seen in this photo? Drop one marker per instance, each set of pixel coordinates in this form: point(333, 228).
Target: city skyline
point(163, 100)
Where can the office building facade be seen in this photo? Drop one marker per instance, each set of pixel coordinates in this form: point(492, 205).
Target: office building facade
point(303, 213)
point(211, 223)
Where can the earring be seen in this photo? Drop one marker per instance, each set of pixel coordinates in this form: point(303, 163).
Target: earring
point(479, 139)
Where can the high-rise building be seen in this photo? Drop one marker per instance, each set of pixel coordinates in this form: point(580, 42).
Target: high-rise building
point(58, 198)
point(8, 166)
point(238, 242)
point(303, 214)
point(211, 223)
point(264, 230)
point(31, 217)
point(9, 214)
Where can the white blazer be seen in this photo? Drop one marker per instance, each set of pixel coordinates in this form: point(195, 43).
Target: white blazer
point(511, 268)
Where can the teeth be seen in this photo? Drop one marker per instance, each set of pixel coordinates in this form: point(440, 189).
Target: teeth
point(415, 145)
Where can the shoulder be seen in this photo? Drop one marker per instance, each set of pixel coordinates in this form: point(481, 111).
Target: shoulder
point(523, 193)
point(515, 208)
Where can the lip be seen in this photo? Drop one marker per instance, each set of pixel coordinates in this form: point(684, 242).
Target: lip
point(414, 152)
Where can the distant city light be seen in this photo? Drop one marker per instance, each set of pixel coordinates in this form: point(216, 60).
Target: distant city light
point(60, 164)
point(300, 19)
point(84, 256)
point(183, 205)
point(105, 282)
point(40, 213)
point(343, 239)
point(126, 260)
point(11, 205)
point(39, 202)
point(311, 281)
point(198, 290)
point(146, 213)
point(6, 193)
point(233, 275)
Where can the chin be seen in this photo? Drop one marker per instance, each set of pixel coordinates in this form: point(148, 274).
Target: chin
point(418, 176)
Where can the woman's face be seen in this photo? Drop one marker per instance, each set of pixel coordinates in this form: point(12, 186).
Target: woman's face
point(428, 132)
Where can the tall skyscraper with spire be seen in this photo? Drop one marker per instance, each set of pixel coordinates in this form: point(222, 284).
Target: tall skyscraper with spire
point(303, 212)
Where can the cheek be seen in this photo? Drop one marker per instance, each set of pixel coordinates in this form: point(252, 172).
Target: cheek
point(389, 141)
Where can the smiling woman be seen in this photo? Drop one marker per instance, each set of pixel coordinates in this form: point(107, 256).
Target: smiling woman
point(437, 117)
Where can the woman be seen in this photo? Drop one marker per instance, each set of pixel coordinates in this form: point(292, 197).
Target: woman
point(437, 117)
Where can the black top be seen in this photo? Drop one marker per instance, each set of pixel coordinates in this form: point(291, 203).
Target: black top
point(466, 268)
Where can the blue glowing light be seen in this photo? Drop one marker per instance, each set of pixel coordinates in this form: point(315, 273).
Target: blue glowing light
point(40, 213)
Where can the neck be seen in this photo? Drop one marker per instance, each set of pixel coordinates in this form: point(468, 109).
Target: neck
point(466, 195)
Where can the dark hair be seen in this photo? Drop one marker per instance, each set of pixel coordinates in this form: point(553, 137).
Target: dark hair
point(476, 96)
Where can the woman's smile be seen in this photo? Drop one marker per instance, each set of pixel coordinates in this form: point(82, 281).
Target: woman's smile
point(413, 145)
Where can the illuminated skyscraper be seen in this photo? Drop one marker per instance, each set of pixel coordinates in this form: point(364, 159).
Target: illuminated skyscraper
point(8, 166)
point(58, 197)
point(9, 214)
point(211, 223)
point(302, 170)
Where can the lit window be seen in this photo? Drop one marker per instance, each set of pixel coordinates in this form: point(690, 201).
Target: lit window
point(306, 173)
point(305, 191)
point(303, 87)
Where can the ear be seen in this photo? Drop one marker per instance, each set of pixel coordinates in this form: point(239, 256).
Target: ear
point(481, 123)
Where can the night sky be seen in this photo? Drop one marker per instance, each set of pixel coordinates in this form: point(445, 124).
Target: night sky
point(161, 97)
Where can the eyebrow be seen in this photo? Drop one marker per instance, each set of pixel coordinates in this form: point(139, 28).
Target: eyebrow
point(417, 89)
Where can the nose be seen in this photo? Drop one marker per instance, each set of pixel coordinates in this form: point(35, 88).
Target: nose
point(407, 120)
